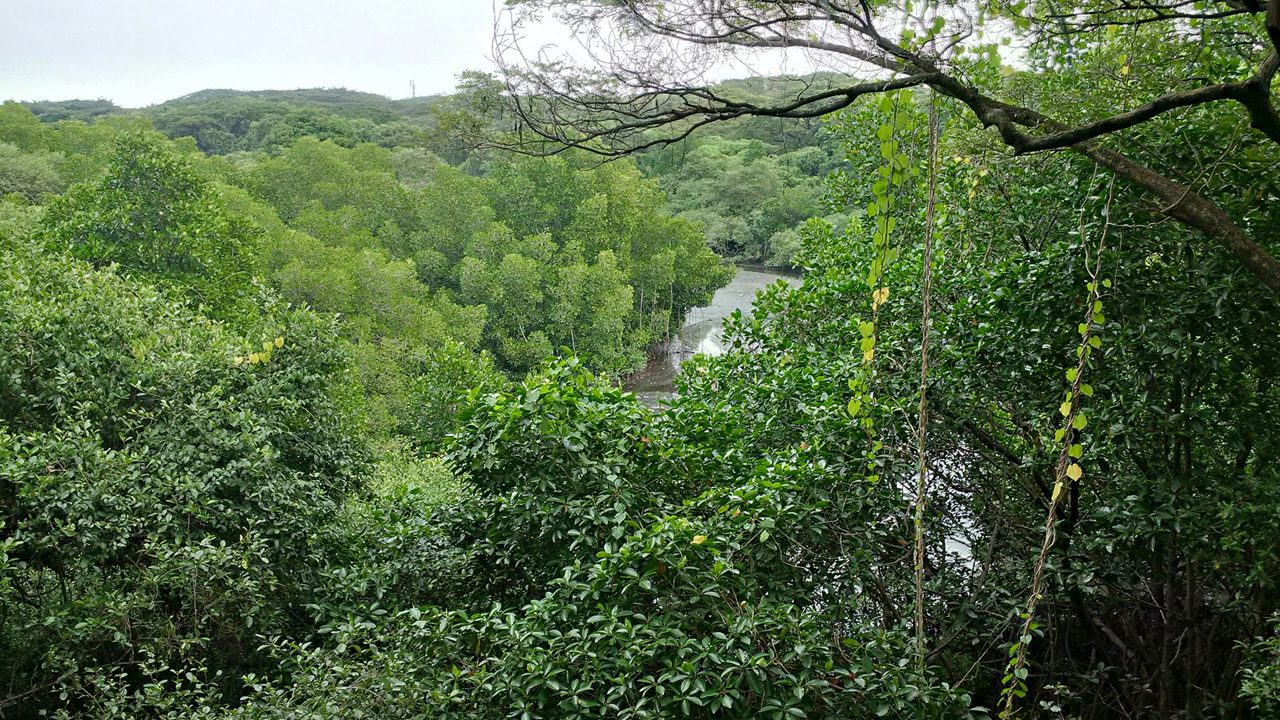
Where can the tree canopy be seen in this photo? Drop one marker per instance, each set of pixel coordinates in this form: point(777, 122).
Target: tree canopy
point(639, 86)
point(312, 403)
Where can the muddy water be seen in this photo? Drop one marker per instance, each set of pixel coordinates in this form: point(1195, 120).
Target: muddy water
point(702, 334)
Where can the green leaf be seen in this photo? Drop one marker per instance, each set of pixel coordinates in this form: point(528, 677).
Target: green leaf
point(854, 407)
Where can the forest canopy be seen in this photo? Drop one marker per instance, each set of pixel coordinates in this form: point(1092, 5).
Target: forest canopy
point(312, 402)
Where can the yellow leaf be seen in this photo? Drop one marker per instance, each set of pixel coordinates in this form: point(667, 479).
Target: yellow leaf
point(698, 539)
point(1057, 491)
point(879, 297)
point(254, 358)
point(280, 341)
point(869, 355)
point(238, 361)
point(1065, 408)
point(1074, 472)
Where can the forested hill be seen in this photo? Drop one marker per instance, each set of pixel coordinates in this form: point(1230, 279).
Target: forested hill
point(340, 101)
point(189, 114)
point(750, 186)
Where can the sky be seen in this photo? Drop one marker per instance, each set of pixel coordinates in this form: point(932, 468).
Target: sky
point(141, 52)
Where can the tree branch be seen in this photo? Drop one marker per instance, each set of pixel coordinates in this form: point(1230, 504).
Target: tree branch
point(603, 121)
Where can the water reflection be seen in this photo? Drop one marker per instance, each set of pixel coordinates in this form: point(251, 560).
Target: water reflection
point(702, 334)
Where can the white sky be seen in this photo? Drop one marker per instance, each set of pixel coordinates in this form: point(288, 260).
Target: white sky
point(140, 52)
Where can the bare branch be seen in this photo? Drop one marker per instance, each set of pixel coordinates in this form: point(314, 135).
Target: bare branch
point(633, 96)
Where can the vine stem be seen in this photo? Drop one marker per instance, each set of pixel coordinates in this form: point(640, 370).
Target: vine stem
point(926, 290)
point(1062, 481)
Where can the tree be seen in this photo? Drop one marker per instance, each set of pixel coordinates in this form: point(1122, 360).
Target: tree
point(744, 194)
point(20, 127)
point(30, 176)
point(162, 484)
point(640, 87)
point(154, 216)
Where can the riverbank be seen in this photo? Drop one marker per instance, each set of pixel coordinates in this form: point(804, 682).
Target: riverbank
point(702, 333)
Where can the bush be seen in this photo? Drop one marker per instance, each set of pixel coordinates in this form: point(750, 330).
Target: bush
point(29, 176)
point(638, 584)
point(153, 215)
point(162, 485)
point(1261, 685)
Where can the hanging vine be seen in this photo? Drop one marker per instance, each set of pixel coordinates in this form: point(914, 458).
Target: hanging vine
point(926, 290)
point(1068, 469)
point(892, 178)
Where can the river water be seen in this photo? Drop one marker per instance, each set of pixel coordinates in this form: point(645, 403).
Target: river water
point(702, 334)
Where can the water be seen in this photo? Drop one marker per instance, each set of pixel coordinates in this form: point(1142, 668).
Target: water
point(702, 334)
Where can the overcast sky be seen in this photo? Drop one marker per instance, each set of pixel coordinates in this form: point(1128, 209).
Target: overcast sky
point(140, 52)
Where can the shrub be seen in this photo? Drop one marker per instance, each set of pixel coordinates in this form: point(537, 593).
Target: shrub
point(162, 484)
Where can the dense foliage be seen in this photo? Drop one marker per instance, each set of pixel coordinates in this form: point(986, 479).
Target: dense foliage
point(160, 495)
point(749, 188)
point(443, 278)
point(313, 412)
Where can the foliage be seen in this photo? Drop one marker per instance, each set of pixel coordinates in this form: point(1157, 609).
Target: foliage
point(158, 491)
point(190, 525)
point(28, 176)
point(400, 470)
point(638, 84)
point(227, 121)
point(85, 150)
point(557, 255)
point(635, 603)
point(1160, 496)
point(746, 193)
point(154, 217)
point(1261, 684)
point(393, 243)
point(83, 110)
point(442, 378)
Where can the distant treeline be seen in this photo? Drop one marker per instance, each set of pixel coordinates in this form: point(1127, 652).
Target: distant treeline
point(750, 187)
